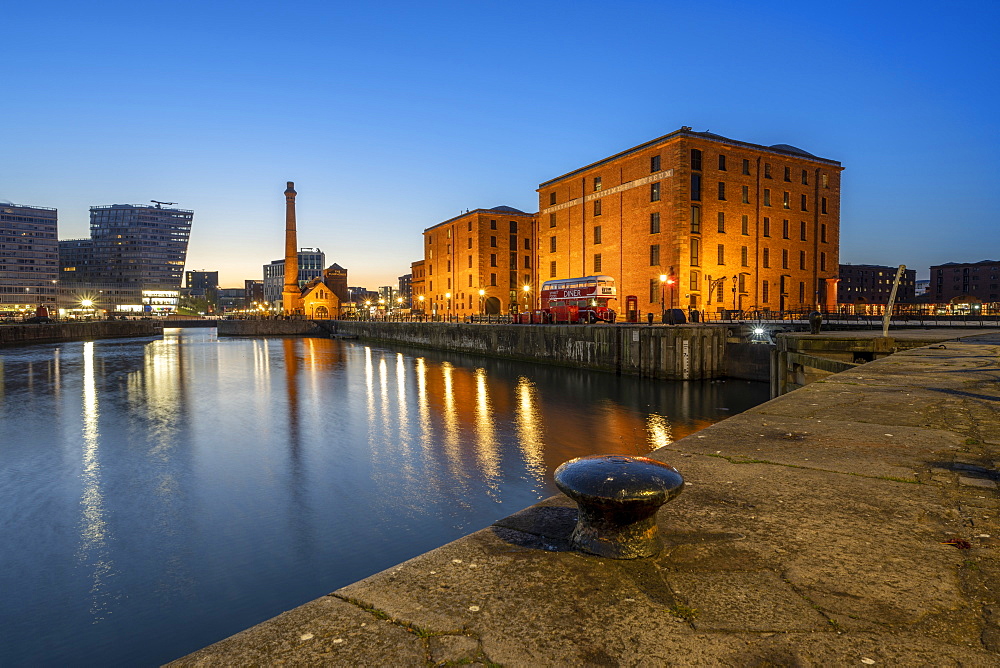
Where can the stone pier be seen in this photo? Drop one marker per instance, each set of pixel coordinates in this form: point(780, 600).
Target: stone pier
point(851, 522)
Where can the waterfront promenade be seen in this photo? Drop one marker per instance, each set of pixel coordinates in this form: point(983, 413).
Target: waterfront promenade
point(850, 522)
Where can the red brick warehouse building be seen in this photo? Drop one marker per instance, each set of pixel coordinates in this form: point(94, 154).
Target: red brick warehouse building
point(733, 224)
point(478, 262)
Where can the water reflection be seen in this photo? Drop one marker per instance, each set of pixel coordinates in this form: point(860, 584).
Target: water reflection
point(93, 552)
point(209, 484)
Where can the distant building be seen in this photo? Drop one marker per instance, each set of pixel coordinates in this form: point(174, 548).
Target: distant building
point(736, 225)
point(872, 284)
point(133, 260)
point(29, 257)
point(479, 262)
point(956, 281)
point(923, 286)
point(253, 292)
point(405, 290)
point(418, 284)
point(311, 263)
point(230, 299)
point(335, 278)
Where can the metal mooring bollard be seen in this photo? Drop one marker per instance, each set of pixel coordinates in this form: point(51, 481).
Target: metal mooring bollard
point(618, 497)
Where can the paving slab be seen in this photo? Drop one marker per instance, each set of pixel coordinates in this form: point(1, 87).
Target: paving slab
point(850, 522)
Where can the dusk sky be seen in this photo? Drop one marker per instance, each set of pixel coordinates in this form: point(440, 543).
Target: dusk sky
point(391, 117)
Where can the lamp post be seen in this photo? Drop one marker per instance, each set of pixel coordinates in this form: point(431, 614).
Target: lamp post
point(482, 301)
point(527, 294)
point(448, 297)
point(663, 283)
point(420, 298)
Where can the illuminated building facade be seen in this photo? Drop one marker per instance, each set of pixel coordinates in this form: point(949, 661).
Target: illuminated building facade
point(29, 257)
point(478, 262)
point(132, 249)
point(971, 281)
point(728, 224)
point(872, 284)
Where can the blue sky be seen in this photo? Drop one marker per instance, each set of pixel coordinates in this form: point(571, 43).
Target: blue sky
point(391, 117)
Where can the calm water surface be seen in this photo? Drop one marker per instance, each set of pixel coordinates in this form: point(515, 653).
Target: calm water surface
point(159, 495)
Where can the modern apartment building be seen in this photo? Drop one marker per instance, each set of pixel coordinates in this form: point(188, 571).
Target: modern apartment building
point(311, 264)
point(478, 262)
point(727, 223)
point(872, 284)
point(29, 257)
point(957, 281)
point(133, 260)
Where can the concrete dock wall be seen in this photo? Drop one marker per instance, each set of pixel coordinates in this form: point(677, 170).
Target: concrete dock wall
point(77, 331)
point(269, 328)
point(672, 353)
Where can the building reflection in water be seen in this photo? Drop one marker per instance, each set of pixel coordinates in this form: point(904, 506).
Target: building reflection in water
point(530, 429)
point(93, 552)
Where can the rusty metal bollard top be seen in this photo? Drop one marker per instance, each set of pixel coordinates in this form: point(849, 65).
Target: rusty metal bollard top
point(618, 497)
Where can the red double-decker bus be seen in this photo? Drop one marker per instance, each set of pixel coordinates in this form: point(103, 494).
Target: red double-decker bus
point(582, 299)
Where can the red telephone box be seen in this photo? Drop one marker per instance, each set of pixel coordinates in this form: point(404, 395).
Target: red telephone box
point(631, 308)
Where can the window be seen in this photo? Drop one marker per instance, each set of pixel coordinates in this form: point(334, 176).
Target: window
point(765, 258)
point(822, 261)
point(722, 162)
point(470, 242)
point(746, 167)
point(720, 254)
point(654, 222)
point(597, 183)
point(552, 220)
point(552, 269)
point(597, 263)
point(696, 187)
point(743, 282)
point(695, 251)
point(802, 288)
point(654, 290)
point(822, 232)
point(802, 259)
point(493, 259)
point(513, 227)
point(694, 280)
point(552, 198)
point(527, 262)
point(493, 242)
point(785, 201)
point(654, 255)
point(527, 244)
point(744, 256)
point(745, 225)
point(823, 207)
point(788, 174)
point(654, 192)
point(767, 227)
point(470, 278)
point(552, 244)
point(802, 230)
point(470, 225)
point(449, 265)
point(722, 222)
point(746, 194)
point(597, 207)
point(654, 164)
point(597, 234)
point(722, 190)
point(784, 258)
point(767, 197)
point(765, 292)
point(695, 220)
point(696, 159)
point(805, 177)
point(803, 201)
point(825, 181)
point(767, 170)
point(784, 229)
point(493, 279)
point(493, 224)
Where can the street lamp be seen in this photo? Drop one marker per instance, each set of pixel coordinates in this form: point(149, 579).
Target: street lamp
point(482, 301)
point(447, 296)
point(663, 311)
point(527, 294)
point(734, 291)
